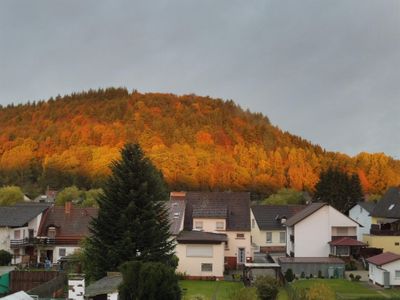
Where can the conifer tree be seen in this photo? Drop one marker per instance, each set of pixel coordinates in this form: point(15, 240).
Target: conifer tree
point(338, 189)
point(132, 224)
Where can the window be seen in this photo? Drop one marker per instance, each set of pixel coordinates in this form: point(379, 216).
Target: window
point(342, 231)
point(198, 225)
point(61, 252)
point(51, 232)
point(17, 234)
point(397, 274)
point(269, 237)
point(226, 245)
point(240, 235)
point(282, 237)
point(253, 223)
point(396, 244)
point(206, 267)
point(219, 225)
point(199, 251)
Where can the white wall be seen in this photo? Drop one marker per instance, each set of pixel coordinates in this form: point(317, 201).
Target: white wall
point(259, 237)
point(361, 215)
point(5, 238)
point(112, 296)
point(68, 250)
point(376, 273)
point(312, 234)
point(192, 265)
point(234, 243)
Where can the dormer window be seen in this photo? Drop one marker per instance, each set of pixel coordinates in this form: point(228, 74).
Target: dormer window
point(391, 207)
point(51, 232)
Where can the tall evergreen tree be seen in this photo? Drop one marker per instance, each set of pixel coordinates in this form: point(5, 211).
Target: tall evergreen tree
point(338, 189)
point(132, 224)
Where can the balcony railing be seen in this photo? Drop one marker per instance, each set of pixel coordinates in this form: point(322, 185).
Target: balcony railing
point(383, 232)
point(17, 243)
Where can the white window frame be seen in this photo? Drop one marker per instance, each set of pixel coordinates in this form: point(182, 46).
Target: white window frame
point(397, 273)
point(222, 227)
point(282, 234)
point(208, 265)
point(59, 252)
point(266, 237)
point(198, 225)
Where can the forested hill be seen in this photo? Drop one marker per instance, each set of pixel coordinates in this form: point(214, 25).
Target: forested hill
point(197, 142)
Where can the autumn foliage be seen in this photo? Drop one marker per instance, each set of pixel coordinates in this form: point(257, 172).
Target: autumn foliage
point(197, 142)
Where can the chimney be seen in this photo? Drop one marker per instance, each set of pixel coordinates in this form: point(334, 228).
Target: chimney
point(68, 207)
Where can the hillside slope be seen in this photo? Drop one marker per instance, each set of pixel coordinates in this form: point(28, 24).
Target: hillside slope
point(197, 142)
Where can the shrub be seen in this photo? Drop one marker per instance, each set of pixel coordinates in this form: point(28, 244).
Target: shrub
point(5, 258)
point(350, 266)
point(303, 275)
point(311, 275)
point(267, 287)
point(320, 274)
point(289, 276)
point(351, 276)
point(357, 278)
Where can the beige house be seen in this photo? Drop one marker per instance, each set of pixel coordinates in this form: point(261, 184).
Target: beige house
point(216, 232)
point(268, 230)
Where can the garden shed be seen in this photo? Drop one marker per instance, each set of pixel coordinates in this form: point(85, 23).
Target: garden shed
point(311, 266)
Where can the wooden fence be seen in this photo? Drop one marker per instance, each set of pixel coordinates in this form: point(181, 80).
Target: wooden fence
point(27, 280)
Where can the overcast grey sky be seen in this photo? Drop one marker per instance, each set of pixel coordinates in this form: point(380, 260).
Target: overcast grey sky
point(328, 71)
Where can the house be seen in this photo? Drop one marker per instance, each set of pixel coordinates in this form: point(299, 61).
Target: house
point(385, 223)
point(216, 232)
point(105, 288)
point(268, 230)
point(19, 226)
point(319, 230)
point(62, 229)
point(384, 269)
point(361, 213)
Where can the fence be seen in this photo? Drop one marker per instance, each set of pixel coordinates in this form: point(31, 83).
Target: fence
point(27, 280)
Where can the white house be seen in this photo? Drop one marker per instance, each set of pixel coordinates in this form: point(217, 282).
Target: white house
point(19, 226)
point(319, 230)
point(384, 269)
point(361, 213)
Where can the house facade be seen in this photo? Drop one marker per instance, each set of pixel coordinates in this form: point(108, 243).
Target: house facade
point(384, 269)
point(216, 232)
point(19, 226)
point(61, 230)
point(385, 223)
point(268, 229)
point(361, 213)
point(319, 230)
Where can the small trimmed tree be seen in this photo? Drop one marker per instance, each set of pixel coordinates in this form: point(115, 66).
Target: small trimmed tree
point(5, 258)
point(267, 287)
point(289, 276)
point(132, 224)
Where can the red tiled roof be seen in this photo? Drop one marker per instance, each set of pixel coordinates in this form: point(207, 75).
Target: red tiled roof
point(346, 241)
point(383, 259)
point(311, 260)
point(74, 224)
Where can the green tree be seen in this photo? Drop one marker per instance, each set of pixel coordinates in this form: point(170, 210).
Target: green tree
point(90, 197)
point(132, 224)
point(68, 194)
point(5, 258)
point(10, 195)
point(285, 196)
point(148, 281)
point(338, 189)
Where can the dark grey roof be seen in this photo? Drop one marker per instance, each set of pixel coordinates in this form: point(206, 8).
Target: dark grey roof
point(20, 214)
point(210, 211)
point(269, 216)
point(237, 204)
point(307, 211)
point(311, 260)
point(108, 284)
point(389, 205)
point(176, 209)
point(368, 206)
point(201, 237)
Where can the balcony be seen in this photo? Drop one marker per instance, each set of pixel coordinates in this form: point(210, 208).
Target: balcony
point(22, 242)
point(384, 232)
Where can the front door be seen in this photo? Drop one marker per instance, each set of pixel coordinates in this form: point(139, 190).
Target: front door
point(241, 256)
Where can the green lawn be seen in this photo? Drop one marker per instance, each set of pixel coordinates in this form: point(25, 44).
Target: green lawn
point(207, 289)
point(346, 289)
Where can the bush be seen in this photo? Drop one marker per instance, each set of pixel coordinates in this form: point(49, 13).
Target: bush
point(267, 287)
point(350, 266)
point(320, 274)
point(303, 275)
point(5, 258)
point(289, 276)
point(357, 278)
point(351, 276)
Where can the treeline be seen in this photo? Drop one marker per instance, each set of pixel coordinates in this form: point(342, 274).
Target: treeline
point(197, 142)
